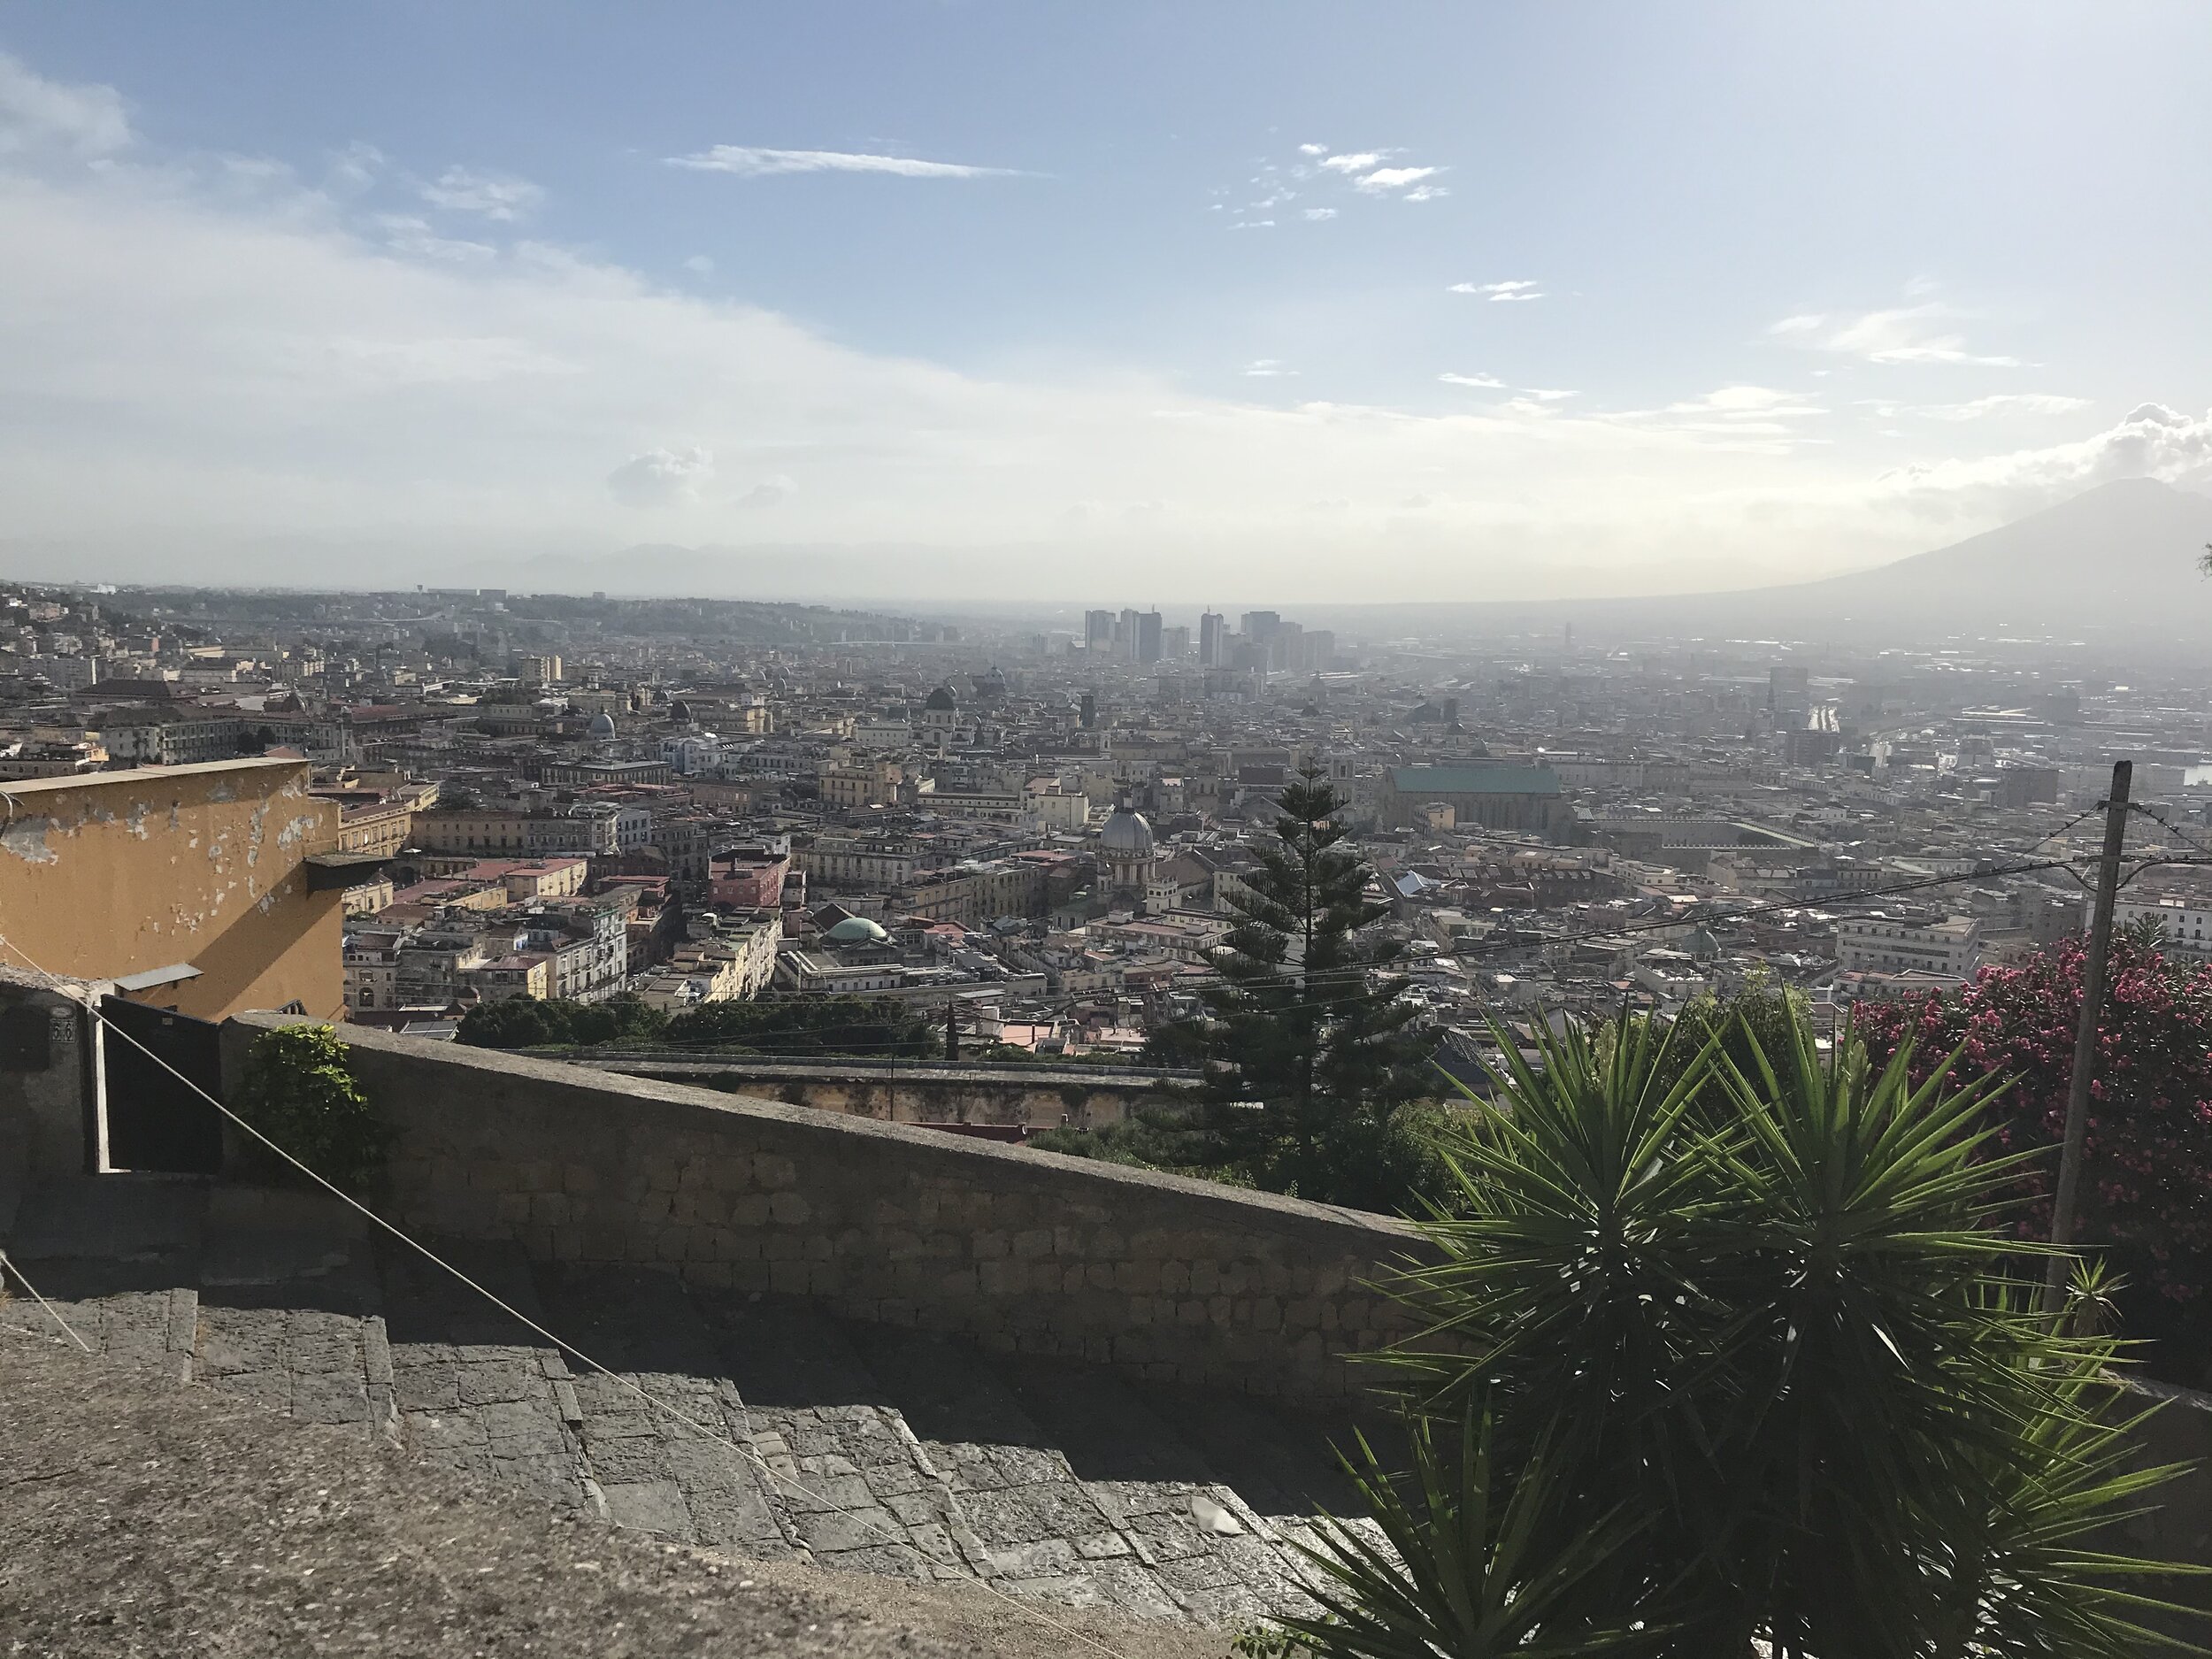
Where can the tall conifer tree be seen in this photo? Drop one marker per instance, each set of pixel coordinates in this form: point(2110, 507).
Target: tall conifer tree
point(1305, 1038)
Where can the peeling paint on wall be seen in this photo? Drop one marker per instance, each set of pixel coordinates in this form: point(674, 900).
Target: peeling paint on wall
point(26, 838)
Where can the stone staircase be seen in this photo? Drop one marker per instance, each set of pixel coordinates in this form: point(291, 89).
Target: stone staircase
point(790, 1433)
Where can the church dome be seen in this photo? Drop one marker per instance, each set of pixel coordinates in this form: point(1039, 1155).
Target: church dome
point(602, 725)
point(941, 701)
point(1127, 831)
point(856, 930)
point(679, 712)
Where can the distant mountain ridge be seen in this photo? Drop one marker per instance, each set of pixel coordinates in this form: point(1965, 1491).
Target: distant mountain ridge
point(2119, 561)
point(2108, 554)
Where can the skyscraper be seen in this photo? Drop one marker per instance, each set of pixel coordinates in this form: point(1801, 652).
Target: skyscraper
point(1098, 630)
point(1125, 637)
point(1148, 636)
point(1212, 629)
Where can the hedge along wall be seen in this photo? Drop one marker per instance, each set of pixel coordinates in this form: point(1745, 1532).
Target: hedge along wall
point(1159, 1277)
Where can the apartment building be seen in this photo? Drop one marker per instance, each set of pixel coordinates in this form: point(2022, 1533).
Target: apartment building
point(1896, 943)
point(2185, 920)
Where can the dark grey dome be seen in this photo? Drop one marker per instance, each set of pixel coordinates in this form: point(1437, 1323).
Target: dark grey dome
point(602, 724)
point(942, 700)
point(1127, 831)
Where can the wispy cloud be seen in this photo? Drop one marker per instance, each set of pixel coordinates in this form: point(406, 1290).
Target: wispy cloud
point(1760, 416)
point(1903, 334)
point(1368, 174)
point(405, 234)
point(1484, 382)
point(1500, 292)
point(496, 196)
point(1270, 369)
point(1385, 180)
point(1320, 213)
point(1982, 408)
point(38, 114)
point(749, 162)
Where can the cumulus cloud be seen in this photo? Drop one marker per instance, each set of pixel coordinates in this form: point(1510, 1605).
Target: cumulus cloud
point(2150, 440)
point(1485, 382)
point(1320, 213)
point(496, 196)
point(1904, 333)
point(699, 265)
point(1357, 161)
point(1502, 292)
point(661, 478)
point(752, 162)
point(41, 115)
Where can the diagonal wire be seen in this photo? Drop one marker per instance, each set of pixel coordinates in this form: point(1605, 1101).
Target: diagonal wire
point(51, 1311)
point(2179, 834)
point(744, 1453)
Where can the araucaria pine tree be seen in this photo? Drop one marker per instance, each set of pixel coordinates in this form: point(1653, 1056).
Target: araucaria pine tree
point(1305, 1038)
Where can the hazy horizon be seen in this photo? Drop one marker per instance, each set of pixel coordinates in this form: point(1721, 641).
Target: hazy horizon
point(993, 303)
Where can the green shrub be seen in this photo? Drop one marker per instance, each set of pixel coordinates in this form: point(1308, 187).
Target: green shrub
point(299, 1091)
point(1770, 1305)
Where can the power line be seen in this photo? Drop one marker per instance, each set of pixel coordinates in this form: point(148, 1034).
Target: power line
point(2180, 834)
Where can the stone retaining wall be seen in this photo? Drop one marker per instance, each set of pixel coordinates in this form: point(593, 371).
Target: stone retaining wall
point(924, 1093)
point(1161, 1277)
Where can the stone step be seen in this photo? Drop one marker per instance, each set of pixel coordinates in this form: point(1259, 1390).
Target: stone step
point(850, 1481)
point(1206, 1546)
point(149, 1328)
point(1046, 1533)
point(290, 1308)
point(686, 1473)
point(760, 1424)
point(474, 1388)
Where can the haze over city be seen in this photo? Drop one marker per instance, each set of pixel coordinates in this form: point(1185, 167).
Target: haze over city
point(984, 301)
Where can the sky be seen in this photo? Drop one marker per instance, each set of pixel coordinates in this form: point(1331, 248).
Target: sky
point(1141, 302)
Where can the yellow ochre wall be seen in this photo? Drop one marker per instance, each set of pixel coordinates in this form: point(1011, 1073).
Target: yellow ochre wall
point(109, 874)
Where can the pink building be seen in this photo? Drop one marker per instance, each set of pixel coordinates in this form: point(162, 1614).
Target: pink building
point(747, 882)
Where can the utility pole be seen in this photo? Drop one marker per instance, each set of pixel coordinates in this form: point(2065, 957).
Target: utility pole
point(2062, 1205)
point(952, 1030)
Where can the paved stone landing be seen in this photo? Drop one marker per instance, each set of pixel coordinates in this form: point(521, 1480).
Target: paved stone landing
point(785, 1433)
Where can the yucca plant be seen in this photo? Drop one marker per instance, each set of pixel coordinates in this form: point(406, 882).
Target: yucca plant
point(1469, 1564)
point(1764, 1302)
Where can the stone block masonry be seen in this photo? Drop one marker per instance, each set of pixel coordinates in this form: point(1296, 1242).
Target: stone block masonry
point(1159, 1278)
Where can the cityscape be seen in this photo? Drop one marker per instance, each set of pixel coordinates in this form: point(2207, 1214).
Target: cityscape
point(1043, 833)
point(908, 831)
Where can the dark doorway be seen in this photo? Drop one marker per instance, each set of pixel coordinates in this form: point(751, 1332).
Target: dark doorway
point(156, 1119)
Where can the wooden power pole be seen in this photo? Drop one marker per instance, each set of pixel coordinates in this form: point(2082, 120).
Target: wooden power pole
point(2063, 1204)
